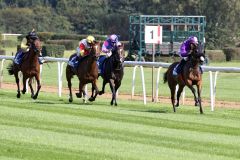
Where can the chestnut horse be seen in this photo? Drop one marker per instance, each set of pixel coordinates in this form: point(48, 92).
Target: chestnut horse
point(29, 67)
point(191, 75)
point(113, 72)
point(87, 72)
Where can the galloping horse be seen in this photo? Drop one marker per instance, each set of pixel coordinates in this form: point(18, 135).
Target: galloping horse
point(113, 72)
point(190, 76)
point(30, 68)
point(87, 72)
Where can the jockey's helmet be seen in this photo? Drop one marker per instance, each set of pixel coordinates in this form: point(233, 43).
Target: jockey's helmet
point(114, 38)
point(193, 40)
point(32, 35)
point(90, 39)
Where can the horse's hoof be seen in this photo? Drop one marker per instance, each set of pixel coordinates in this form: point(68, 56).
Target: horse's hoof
point(70, 100)
point(34, 97)
point(78, 95)
point(115, 104)
point(101, 92)
point(91, 99)
point(18, 95)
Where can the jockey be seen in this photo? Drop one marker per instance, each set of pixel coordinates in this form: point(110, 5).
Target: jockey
point(25, 45)
point(110, 44)
point(82, 50)
point(185, 50)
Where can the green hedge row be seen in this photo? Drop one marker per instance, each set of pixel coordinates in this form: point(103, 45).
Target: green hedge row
point(2, 52)
point(8, 43)
point(45, 36)
point(53, 50)
point(216, 55)
point(232, 53)
point(69, 44)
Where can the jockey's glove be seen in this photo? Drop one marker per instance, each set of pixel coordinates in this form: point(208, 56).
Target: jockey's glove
point(108, 54)
point(81, 52)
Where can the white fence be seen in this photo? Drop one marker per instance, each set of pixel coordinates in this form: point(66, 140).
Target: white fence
point(158, 65)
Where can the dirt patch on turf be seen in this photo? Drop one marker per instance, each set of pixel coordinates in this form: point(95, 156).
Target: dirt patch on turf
point(161, 99)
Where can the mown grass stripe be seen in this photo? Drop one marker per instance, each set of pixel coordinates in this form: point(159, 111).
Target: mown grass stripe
point(97, 145)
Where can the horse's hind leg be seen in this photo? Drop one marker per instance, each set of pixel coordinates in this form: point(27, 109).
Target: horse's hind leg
point(173, 89)
point(180, 89)
point(17, 82)
point(103, 87)
point(38, 86)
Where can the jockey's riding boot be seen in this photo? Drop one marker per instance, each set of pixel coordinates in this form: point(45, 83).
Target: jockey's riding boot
point(201, 69)
point(178, 69)
point(40, 59)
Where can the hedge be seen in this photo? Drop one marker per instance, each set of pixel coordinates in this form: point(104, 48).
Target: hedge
point(69, 44)
point(53, 50)
point(216, 55)
point(9, 43)
point(2, 52)
point(232, 53)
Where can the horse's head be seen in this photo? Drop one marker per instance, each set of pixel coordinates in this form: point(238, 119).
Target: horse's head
point(36, 46)
point(197, 57)
point(118, 54)
point(121, 53)
point(95, 49)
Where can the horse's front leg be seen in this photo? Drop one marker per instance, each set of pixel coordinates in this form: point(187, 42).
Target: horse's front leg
point(69, 75)
point(37, 77)
point(194, 94)
point(17, 82)
point(31, 88)
point(199, 90)
point(180, 89)
point(79, 95)
point(94, 87)
point(24, 84)
point(112, 86)
point(103, 87)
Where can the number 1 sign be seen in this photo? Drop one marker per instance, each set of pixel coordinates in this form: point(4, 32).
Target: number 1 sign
point(153, 34)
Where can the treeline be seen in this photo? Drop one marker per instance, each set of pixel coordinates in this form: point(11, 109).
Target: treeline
point(111, 16)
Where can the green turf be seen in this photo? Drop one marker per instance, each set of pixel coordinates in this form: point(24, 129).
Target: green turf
point(51, 128)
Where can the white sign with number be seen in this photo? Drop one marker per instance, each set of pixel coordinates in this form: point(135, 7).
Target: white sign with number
point(153, 34)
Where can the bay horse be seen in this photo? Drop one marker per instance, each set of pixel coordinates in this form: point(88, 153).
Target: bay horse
point(87, 72)
point(113, 72)
point(191, 75)
point(29, 67)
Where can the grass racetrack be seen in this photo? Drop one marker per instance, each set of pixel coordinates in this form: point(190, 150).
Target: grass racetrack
point(51, 128)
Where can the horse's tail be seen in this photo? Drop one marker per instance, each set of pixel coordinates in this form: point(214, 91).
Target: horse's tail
point(165, 77)
point(10, 69)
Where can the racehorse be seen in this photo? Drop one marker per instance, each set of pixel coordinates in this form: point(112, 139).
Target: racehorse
point(113, 72)
point(191, 75)
point(87, 72)
point(29, 67)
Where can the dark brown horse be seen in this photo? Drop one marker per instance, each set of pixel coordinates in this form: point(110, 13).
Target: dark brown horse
point(29, 67)
point(87, 72)
point(191, 75)
point(113, 72)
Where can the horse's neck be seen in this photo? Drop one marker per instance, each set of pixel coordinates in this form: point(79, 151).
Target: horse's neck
point(32, 56)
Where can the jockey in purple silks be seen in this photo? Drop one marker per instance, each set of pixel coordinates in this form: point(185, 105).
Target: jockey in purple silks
point(184, 51)
point(110, 44)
